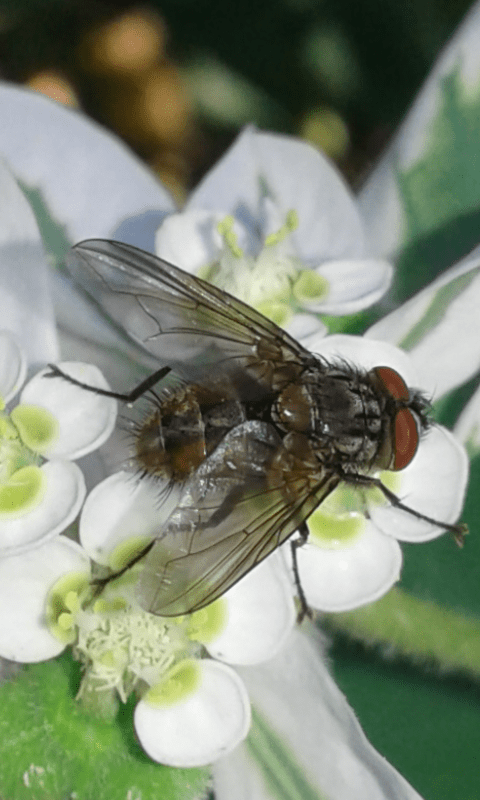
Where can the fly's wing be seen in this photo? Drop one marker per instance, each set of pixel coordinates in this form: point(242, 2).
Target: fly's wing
point(245, 500)
point(184, 322)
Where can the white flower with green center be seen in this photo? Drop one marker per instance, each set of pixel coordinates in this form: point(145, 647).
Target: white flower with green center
point(41, 489)
point(193, 706)
point(272, 281)
point(275, 225)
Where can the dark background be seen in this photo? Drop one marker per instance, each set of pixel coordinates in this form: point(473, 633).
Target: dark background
point(340, 72)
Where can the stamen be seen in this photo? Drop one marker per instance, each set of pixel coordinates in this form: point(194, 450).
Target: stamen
point(290, 224)
point(225, 229)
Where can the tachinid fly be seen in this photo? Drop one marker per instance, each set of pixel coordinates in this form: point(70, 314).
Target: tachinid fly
point(258, 429)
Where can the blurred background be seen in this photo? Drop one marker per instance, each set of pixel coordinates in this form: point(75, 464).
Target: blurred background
point(176, 79)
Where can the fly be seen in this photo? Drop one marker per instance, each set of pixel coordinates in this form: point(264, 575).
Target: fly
point(258, 430)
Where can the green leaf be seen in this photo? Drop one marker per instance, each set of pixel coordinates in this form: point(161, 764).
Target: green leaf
point(445, 182)
point(424, 259)
point(427, 726)
point(421, 630)
point(50, 748)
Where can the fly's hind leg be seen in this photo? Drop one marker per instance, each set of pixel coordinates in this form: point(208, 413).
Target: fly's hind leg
point(458, 531)
point(305, 610)
point(130, 397)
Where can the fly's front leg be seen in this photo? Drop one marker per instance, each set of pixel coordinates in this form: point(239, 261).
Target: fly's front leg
point(458, 531)
point(305, 610)
point(138, 391)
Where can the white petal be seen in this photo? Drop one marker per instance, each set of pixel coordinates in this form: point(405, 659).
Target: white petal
point(261, 614)
point(349, 577)
point(297, 177)
point(27, 308)
point(86, 419)
point(64, 494)
point(13, 366)
point(190, 239)
point(119, 508)
point(305, 327)
point(200, 729)
point(313, 728)
point(434, 484)
point(366, 353)
point(91, 183)
point(440, 327)
point(382, 208)
point(24, 584)
point(354, 285)
point(467, 427)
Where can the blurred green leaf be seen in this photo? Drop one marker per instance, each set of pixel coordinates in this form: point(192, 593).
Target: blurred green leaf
point(50, 749)
point(444, 183)
point(423, 631)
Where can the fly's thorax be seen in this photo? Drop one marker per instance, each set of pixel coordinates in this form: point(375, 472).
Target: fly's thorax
point(344, 414)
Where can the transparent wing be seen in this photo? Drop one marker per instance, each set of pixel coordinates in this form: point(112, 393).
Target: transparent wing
point(181, 320)
point(246, 499)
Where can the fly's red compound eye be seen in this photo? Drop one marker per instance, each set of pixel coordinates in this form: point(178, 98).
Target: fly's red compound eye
point(406, 438)
point(393, 383)
point(405, 428)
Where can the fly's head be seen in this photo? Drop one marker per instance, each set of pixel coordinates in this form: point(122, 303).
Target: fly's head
point(405, 419)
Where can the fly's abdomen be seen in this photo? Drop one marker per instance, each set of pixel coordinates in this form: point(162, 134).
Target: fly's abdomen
point(170, 442)
point(184, 428)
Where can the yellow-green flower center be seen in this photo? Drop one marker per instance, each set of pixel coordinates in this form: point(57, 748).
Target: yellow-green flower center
point(24, 435)
point(122, 647)
point(36, 426)
point(205, 625)
point(22, 492)
point(63, 604)
point(274, 282)
point(341, 517)
point(179, 682)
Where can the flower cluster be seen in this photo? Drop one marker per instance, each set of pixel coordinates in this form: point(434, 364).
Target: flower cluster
point(42, 489)
point(277, 241)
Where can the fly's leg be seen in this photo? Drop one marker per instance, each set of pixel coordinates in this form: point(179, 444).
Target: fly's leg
point(458, 531)
point(100, 583)
point(305, 610)
point(137, 392)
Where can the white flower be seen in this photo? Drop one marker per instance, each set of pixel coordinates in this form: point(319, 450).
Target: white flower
point(41, 489)
point(275, 224)
point(13, 366)
point(192, 709)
